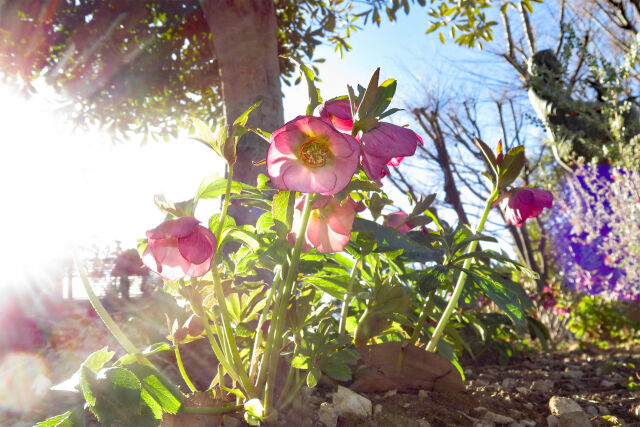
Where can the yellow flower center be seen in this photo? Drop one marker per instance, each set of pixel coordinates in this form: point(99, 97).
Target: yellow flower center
point(314, 153)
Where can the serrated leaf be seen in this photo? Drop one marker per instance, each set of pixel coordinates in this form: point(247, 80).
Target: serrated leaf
point(62, 420)
point(96, 360)
point(313, 376)
point(282, 207)
point(246, 238)
point(265, 222)
point(161, 394)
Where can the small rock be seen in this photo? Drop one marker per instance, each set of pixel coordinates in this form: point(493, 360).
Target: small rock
point(377, 409)
point(327, 415)
point(591, 411)
point(497, 418)
point(483, 424)
point(516, 425)
point(607, 383)
point(553, 421)
point(406, 405)
point(481, 383)
point(522, 390)
point(423, 394)
point(515, 413)
point(509, 383)
point(390, 393)
point(528, 405)
point(528, 423)
point(635, 411)
point(563, 405)
point(478, 411)
point(423, 423)
point(350, 404)
point(542, 386)
point(574, 419)
point(603, 410)
point(573, 374)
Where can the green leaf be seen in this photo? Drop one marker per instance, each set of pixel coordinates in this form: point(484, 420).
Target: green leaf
point(314, 93)
point(300, 362)
point(313, 376)
point(385, 94)
point(390, 240)
point(369, 98)
point(205, 133)
point(62, 420)
point(265, 222)
point(214, 186)
point(337, 371)
point(333, 287)
point(97, 359)
point(242, 118)
point(488, 155)
point(161, 394)
point(505, 298)
point(121, 377)
point(511, 166)
point(246, 238)
point(253, 412)
point(128, 359)
point(283, 207)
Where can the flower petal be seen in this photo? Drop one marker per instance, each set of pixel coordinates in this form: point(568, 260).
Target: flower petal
point(197, 247)
point(173, 228)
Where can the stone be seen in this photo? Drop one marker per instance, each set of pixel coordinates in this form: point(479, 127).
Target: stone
point(481, 383)
point(563, 405)
point(350, 404)
point(377, 409)
point(542, 386)
point(591, 410)
point(509, 383)
point(478, 411)
point(603, 410)
point(514, 424)
point(480, 423)
point(574, 419)
point(635, 411)
point(497, 419)
point(422, 394)
point(553, 421)
point(390, 393)
point(573, 374)
point(231, 422)
point(327, 415)
point(522, 390)
point(528, 423)
point(607, 383)
point(423, 423)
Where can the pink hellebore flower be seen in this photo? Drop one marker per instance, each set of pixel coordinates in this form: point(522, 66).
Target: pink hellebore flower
point(386, 144)
point(393, 219)
point(338, 113)
point(310, 156)
point(330, 223)
point(179, 247)
point(526, 203)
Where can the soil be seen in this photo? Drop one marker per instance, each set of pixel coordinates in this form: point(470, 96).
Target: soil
point(605, 383)
point(598, 380)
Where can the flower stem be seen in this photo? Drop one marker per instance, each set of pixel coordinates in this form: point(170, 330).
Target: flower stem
point(347, 298)
point(263, 315)
point(282, 303)
point(437, 333)
point(183, 373)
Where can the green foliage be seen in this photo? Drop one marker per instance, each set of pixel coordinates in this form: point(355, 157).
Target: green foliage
point(598, 320)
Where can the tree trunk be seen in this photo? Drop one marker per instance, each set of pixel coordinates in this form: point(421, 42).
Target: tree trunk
point(245, 39)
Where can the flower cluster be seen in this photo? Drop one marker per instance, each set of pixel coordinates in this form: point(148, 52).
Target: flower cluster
point(321, 154)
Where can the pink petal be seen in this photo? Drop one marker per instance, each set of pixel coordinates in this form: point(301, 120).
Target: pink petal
point(173, 228)
point(340, 217)
point(373, 165)
point(171, 265)
point(197, 247)
point(388, 141)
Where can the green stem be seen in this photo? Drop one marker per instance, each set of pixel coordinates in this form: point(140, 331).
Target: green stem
point(347, 298)
point(283, 300)
point(230, 337)
point(217, 350)
point(457, 291)
point(225, 204)
point(218, 410)
point(185, 377)
point(263, 315)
